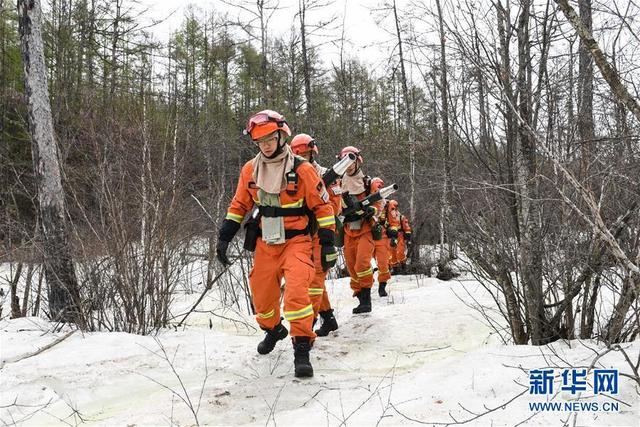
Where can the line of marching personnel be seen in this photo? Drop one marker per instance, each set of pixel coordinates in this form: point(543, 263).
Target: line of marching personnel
point(297, 210)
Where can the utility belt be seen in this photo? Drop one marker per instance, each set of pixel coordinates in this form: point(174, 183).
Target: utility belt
point(377, 229)
point(290, 234)
point(273, 211)
point(253, 232)
point(252, 226)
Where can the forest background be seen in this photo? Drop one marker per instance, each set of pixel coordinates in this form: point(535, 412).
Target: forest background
point(509, 144)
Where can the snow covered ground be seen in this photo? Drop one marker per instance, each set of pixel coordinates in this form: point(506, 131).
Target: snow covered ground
point(421, 356)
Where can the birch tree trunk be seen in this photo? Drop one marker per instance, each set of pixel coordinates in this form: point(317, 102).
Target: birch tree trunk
point(143, 173)
point(64, 296)
point(526, 171)
point(585, 97)
point(504, 31)
point(306, 69)
point(15, 299)
point(263, 50)
point(408, 118)
point(446, 147)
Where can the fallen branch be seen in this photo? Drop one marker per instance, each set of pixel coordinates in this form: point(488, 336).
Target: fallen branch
point(427, 349)
point(37, 352)
point(206, 289)
point(456, 422)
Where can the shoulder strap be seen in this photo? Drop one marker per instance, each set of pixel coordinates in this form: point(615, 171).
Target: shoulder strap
point(297, 161)
point(292, 176)
point(367, 184)
point(313, 222)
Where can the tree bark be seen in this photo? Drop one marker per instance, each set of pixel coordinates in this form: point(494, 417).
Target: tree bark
point(114, 49)
point(263, 51)
point(617, 321)
point(306, 69)
point(408, 118)
point(526, 171)
point(504, 28)
point(64, 296)
point(3, 65)
point(585, 94)
point(445, 206)
point(27, 289)
point(15, 299)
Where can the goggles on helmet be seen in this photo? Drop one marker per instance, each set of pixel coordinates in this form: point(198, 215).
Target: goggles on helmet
point(350, 149)
point(262, 118)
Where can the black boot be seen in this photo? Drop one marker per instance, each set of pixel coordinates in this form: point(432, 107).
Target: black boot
point(301, 363)
point(365, 301)
point(271, 338)
point(329, 323)
point(382, 289)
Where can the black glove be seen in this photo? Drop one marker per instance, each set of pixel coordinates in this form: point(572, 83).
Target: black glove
point(407, 237)
point(328, 253)
point(376, 231)
point(352, 217)
point(369, 212)
point(228, 229)
point(221, 252)
point(328, 256)
point(392, 234)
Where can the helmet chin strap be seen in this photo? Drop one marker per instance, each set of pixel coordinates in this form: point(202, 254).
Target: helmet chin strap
point(279, 149)
point(358, 166)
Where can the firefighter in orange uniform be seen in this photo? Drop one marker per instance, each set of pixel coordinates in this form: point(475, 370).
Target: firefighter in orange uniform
point(358, 238)
point(381, 241)
point(400, 233)
point(305, 146)
point(284, 188)
point(404, 240)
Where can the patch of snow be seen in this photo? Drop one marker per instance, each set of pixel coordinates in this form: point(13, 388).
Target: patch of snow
point(421, 354)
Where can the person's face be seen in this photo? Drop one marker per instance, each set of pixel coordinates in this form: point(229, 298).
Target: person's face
point(306, 155)
point(353, 167)
point(268, 144)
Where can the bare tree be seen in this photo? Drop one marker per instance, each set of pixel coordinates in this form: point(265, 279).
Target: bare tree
point(13, 285)
point(306, 68)
point(408, 116)
point(445, 207)
point(607, 71)
point(585, 94)
point(306, 29)
point(526, 173)
point(264, 10)
point(64, 295)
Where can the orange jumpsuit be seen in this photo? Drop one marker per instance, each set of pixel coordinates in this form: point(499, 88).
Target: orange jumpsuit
point(317, 291)
point(382, 249)
point(393, 221)
point(358, 251)
point(292, 259)
point(400, 252)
